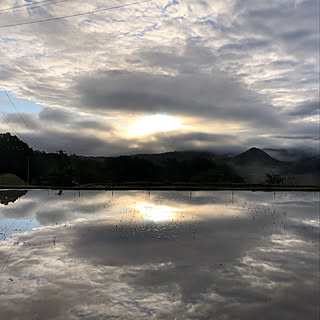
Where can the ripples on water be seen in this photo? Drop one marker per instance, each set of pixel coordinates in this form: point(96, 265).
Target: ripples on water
point(159, 255)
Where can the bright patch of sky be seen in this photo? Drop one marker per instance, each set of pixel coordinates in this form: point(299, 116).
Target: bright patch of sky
point(156, 123)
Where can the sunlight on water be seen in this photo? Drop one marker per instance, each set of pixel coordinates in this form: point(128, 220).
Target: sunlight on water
point(156, 213)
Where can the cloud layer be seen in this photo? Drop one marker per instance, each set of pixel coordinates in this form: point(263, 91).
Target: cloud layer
point(240, 73)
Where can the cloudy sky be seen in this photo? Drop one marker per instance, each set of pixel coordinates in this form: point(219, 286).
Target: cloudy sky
point(161, 75)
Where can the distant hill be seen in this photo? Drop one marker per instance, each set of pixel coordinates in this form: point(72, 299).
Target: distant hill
point(309, 164)
point(160, 158)
point(253, 165)
point(307, 170)
point(255, 156)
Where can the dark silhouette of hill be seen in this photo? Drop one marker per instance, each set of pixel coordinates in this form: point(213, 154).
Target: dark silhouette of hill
point(307, 170)
point(160, 158)
point(311, 164)
point(253, 166)
point(255, 156)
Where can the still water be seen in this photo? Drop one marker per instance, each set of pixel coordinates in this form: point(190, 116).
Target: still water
point(159, 255)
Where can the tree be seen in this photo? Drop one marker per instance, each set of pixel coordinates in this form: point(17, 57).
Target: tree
point(274, 178)
point(14, 156)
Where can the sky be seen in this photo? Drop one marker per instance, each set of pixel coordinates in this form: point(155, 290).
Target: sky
point(161, 75)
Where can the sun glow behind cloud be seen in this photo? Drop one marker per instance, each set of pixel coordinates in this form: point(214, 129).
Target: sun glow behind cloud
point(156, 123)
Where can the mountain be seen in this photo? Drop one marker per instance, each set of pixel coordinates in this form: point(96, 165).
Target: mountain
point(253, 165)
point(255, 156)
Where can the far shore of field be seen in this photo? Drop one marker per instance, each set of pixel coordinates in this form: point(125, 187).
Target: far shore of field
point(172, 187)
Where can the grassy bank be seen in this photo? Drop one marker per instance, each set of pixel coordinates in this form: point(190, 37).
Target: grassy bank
point(11, 180)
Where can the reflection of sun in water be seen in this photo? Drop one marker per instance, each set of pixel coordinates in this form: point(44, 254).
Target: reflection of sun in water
point(155, 123)
point(156, 213)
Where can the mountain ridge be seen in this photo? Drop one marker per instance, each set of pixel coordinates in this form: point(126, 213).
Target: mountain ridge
point(253, 166)
point(254, 155)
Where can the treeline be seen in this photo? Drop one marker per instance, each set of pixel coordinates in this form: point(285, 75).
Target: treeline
point(60, 169)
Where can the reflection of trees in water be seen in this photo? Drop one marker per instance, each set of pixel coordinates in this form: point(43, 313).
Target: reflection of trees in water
point(11, 196)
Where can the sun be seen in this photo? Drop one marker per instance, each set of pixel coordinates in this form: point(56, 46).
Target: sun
point(156, 123)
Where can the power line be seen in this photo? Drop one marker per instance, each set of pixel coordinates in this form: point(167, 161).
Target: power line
point(23, 120)
point(6, 119)
point(24, 5)
point(14, 106)
point(34, 7)
point(8, 123)
point(72, 15)
point(14, 131)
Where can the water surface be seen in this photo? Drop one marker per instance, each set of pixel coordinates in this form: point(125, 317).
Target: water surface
point(159, 255)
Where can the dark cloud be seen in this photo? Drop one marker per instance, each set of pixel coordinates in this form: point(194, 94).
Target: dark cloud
point(285, 63)
point(74, 142)
point(296, 35)
point(56, 115)
point(194, 141)
point(69, 119)
point(295, 137)
point(193, 59)
point(103, 127)
point(215, 95)
point(24, 120)
point(307, 109)
point(245, 45)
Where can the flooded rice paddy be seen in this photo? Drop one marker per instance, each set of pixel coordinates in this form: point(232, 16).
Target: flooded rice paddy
point(159, 255)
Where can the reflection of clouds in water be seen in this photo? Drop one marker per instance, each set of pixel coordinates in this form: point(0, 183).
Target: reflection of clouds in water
point(286, 270)
point(49, 284)
point(23, 208)
point(121, 266)
point(50, 208)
